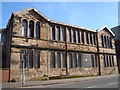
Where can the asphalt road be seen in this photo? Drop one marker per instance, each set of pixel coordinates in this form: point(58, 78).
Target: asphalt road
point(102, 83)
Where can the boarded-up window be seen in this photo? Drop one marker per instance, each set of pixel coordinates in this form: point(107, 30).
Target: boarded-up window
point(69, 35)
point(74, 60)
point(36, 62)
point(53, 59)
point(58, 60)
point(79, 60)
point(70, 60)
point(94, 60)
point(63, 60)
point(52, 32)
point(86, 60)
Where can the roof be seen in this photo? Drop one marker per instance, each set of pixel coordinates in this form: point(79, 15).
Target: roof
point(107, 29)
point(49, 20)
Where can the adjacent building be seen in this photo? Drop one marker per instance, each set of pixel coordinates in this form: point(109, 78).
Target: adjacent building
point(48, 47)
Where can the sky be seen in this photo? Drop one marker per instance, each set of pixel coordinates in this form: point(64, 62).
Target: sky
point(92, 15)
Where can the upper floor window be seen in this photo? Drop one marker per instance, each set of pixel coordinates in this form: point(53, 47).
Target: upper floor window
point(31, 27)
point(82, 36)
point(3, 38)
point(24, 27)
point(78, 34)
point(69, 35)
point(52, 32)
point(63, 34)
point(37, 30)
point(58, 33)
point(91, 38)
point(74, 36)
point(87, 38)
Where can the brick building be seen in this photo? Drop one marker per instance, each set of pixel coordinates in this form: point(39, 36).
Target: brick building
point(53, 48)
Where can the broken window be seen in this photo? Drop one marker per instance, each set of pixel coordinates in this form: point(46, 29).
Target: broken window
point(38, 30)
point(24, 28)
point(31, 27)
point(58, 60)
point(63, 60)
point(69, 35)
point(52, 32)
point(78, 34)
point(87, 38)
point(53, 59)
point(63, 34)
point(74, 36)
point(58, 33)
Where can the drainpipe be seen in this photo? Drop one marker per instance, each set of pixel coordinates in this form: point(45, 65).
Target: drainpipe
point(66, 55)
point(99, 66)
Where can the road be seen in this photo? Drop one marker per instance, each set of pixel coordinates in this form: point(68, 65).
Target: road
point(101, 83)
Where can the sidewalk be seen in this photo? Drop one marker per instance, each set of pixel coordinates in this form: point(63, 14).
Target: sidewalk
point(51, 82)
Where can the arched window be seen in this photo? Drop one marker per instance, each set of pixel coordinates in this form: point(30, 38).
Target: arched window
point(24, 28)
point(31, 27)
point(38, 30)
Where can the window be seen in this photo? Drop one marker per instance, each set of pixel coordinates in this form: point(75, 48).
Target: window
point(53, 59)
point(74, 60)
point(94, 60)
point(38, 30)
point(79, 60)
point(3, 38)
point(111, 42)
point(70, 60)
point(31, 27)
point(102, 40)
point(52, 32)
point(110, 60)
point(87, 38)
point(58, 60)
point(58, 33)
point(29, 61)
point(31, 58)
point(107, 60)
point(94, 39)
point(105, 41)
point(24, 28)
point(69, 35)
point(74, 36)
point(91, 38)
point(36, 58)
point(105, 64)
point(78, 34)
point(82, 36)
point(63, 60)
point(113, 61)
point(63, 34)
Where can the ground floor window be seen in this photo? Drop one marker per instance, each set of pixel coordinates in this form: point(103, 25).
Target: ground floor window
point(31, 58)
point(108, 60)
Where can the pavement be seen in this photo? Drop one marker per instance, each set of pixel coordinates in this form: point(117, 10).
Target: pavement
point(53, 82)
